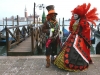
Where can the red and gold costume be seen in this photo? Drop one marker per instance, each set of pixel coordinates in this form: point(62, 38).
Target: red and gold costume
point(75, 52)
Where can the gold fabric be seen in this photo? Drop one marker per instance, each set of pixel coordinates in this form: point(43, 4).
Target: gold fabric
point(75, 25)
point(60, 60)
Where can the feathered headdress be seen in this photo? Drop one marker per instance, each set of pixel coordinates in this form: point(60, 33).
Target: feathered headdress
point(83, 12)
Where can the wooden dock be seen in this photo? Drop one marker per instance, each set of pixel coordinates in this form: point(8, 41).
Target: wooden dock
point(24, 48)
point(25, 44)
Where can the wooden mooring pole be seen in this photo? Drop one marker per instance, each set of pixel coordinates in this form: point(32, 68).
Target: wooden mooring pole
point(17, 33)
point(6, 21)
point(63, 25)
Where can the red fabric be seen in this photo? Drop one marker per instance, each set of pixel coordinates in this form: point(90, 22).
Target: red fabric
point(48, 43)
point(84, 49)
point(85, 29)
point(83, 12)
point(85, 33)
point(81, 47)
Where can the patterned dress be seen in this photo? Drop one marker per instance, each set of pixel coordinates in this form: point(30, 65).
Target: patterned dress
point(75, 52)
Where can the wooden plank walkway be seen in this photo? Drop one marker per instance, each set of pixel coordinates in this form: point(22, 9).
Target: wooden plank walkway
point(24, 48)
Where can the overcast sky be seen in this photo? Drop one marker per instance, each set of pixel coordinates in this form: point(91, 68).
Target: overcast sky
point(10, 8)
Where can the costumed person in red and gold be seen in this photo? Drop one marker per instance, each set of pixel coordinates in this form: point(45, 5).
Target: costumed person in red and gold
point(51, 28)
point(75, 52)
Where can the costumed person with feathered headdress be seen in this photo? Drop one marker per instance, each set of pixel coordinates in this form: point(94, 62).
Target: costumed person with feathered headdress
point(51, 28)
point(75, 52)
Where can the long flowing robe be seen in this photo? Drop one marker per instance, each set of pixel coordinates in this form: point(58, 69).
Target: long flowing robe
point(75, 52)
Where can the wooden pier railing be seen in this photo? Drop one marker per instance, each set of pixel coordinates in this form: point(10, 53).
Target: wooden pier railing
point(37, 38)
point(21, 33)
point(18, 35)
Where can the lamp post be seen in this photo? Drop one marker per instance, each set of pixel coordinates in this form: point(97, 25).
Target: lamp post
point(41, 6)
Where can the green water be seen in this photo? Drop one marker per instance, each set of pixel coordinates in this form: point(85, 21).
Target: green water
point(3, 51)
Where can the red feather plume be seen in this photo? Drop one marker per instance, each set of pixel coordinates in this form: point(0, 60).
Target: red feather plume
point(83, 12)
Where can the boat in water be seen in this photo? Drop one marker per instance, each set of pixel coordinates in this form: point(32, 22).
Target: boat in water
point(3, 38)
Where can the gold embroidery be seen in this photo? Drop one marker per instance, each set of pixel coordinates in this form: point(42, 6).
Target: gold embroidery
point(75, 25)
